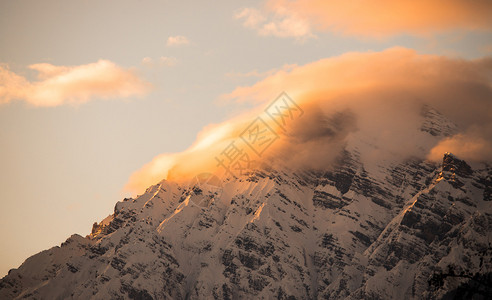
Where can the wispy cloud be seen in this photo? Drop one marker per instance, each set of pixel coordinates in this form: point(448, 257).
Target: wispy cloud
point(147, 60)
point(258, 74)
point(161, 61)
point(374, 97)
point(58, 85)
point(252, 17)
point(168, 61)
point(281, 23)
point(177, 40)
point(379, 18)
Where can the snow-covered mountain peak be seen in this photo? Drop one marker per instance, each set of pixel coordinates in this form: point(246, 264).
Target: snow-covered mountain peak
point(382, 226)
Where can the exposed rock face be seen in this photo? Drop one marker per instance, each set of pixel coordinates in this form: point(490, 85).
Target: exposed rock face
point(408, 229)
point(444, 225)
point(435, 123)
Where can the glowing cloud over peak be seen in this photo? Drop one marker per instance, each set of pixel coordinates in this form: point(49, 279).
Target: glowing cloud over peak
point(373, 98)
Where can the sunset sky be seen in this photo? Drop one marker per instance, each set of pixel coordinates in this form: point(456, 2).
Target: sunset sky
point(93, 94)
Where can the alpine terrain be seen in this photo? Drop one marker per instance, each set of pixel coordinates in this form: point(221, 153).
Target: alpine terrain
point(391, 228)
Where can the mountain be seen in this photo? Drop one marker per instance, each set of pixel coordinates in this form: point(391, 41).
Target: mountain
point(391, 228)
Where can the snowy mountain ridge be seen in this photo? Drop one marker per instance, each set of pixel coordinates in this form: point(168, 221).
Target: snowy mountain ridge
point(393, 229)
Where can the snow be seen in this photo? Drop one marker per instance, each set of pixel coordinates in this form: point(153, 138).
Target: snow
point(260, 238)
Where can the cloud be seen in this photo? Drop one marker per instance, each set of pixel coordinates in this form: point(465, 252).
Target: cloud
point(377, 18)
point(256, 73)
point(162, 61)
point(58, 85)
point(177, 40)
point(370, 101)
point(473, 146)
point(281, 23)
point(212, 139)
point(168, 61)
point(251, 17)
point(147, 61)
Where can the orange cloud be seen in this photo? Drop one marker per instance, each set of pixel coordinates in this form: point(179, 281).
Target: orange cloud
point(390, 69)
point(258, 74)
point(372, 101)
point(474, 147)
point(57, 85)
point(199, 158)
point(372, 18)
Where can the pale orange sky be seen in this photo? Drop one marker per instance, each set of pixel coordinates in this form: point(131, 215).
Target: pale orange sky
point(92, 91)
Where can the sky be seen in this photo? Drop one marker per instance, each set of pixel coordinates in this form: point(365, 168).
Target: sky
point(99, 99)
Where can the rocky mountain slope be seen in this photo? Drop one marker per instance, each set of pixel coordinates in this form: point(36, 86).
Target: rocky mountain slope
point(402, 229)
